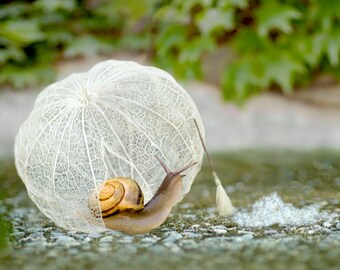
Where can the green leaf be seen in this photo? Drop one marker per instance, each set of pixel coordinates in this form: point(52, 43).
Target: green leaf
point(167, 63)
point(170, 14)
point(252, 73)
point(22, 32)
point(240, 79)
point(310, 47)
point(4, 233)
point(135, 42)
point(333, 48)
point(280, 68)
point(272, 15)
point(242, 4)
point(20, 77)
point(131, 10)
point(172, 37)
point(187, 5)
point(87, 46)
point(188, 71)
point(247, 40)
point(315, 46)
point(314, 53)
point(13, 10)
point(58, 36)
point(53, 6)
point(213, 19)
point(326, 11)
point(11, 53)
point(194, 50)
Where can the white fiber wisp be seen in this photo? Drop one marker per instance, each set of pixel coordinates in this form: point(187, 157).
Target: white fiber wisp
point(273, 210)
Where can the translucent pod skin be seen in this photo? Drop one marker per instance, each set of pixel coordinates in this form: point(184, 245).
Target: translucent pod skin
point(105, 123)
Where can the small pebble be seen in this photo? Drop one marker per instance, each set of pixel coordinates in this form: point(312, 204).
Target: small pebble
point(278, 235)
point(318, 227)
point(270, 232)
point(191, 235)
point(222, 227)
point(149, 240)
point(87, 240)
point(66, 240)
point(219, 229)
point(34, 230)
point(34, 244)
point(113, 233)
point(79, 236)
point(172, 237)
point(18, 234)
point(72, 251)
point(57, 234)
point(189, 244)
point(189, 216)
point(20, 228)
point(247, 237)
point(106, 239)
point(104, 249)
point(86, 246)
point(52, 253)
point(126, 239)
point(94, 235)
point(327, 224)
point(37, 235)
point(186, 205)
point(130, 249)
point(245, 232)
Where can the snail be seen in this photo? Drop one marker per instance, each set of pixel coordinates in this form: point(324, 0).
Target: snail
point(122, 206)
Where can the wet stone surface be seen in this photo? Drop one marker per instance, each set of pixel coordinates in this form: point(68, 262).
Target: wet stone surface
point(277, 226)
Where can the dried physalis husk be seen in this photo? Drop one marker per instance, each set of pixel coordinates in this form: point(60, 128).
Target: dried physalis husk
point(108, 122)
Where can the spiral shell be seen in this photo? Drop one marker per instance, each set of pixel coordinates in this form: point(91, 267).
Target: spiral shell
point(117, 194)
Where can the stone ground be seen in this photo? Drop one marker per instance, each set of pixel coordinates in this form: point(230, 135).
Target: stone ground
point(288, 217)
point(306, 120)
point(192, 242)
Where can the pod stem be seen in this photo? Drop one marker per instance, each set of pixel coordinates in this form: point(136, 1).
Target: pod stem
point(223, 202)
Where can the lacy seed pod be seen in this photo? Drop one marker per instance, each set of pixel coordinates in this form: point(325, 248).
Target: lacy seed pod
point(108, 122)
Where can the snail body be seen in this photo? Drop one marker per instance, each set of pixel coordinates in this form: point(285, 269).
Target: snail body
point(136, 218)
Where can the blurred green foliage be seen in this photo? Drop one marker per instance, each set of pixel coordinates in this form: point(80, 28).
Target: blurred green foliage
point(4, 233)
point(10, 186)
point(279, 44)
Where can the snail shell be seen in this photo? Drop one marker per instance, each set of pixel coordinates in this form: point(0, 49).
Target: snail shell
point(117, 195)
